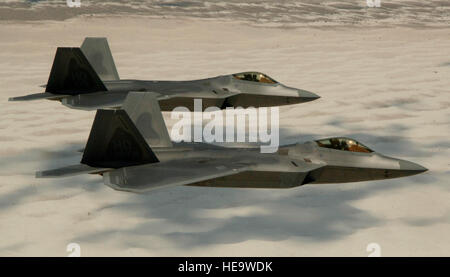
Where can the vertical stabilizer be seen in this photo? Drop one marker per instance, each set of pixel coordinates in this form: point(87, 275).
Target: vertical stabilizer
point(72, 74)
point(143, 109)
point(115, 142)
point(99, 55)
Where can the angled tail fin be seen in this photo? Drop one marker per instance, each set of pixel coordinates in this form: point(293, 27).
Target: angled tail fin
point(119, 138)
point(99, 56)
point(143, 109)
point(115, 142)
point(72, 74)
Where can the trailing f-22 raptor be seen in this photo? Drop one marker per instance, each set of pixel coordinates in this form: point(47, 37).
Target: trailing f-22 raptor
point(86, 78)
point(136, 155)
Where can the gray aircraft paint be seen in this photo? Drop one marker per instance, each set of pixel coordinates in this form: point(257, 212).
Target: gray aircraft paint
point(201, 164)
point(104, 89)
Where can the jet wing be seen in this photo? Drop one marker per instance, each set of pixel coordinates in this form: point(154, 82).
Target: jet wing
point(172, 173)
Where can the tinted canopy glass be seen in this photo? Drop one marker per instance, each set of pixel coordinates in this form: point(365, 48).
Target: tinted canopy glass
point(344, 144)
point(254, 77)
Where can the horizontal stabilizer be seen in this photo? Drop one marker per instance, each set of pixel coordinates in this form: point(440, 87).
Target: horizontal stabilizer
point(69, 171)
point(38, 96)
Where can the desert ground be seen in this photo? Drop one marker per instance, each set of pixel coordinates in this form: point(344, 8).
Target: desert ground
point(387, 87)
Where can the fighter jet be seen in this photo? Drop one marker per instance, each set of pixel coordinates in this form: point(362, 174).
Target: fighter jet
point(137, 155)
point(86, 78)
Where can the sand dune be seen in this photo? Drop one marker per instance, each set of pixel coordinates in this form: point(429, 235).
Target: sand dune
point(387, 87)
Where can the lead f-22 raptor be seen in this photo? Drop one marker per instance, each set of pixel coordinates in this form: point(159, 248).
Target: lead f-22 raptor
point(137, 155)
point(86, 78)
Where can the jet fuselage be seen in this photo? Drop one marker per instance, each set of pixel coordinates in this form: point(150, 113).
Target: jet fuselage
point(222, 91)
point(285, 168)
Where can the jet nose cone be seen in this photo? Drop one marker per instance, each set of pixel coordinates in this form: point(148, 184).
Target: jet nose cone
point(307, 95)
point(413, 167)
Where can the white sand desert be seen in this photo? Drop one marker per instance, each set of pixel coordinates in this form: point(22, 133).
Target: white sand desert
point(387, 86)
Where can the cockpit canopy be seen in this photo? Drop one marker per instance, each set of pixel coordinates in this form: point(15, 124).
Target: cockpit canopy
point(254, 77)
point(344, 144)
